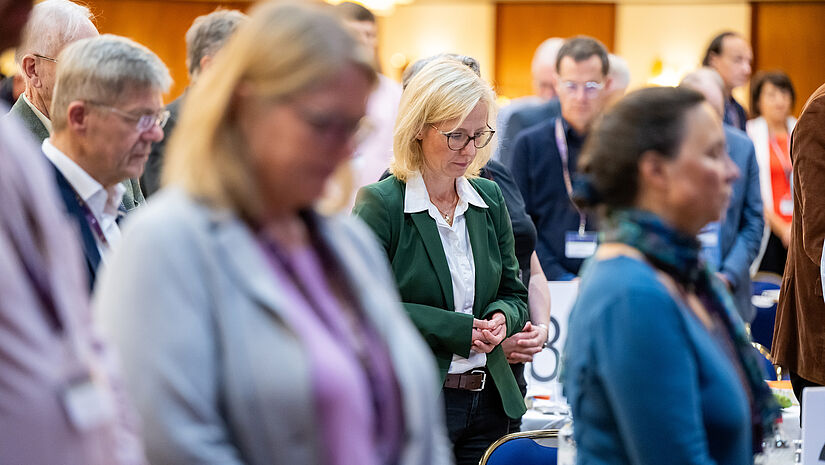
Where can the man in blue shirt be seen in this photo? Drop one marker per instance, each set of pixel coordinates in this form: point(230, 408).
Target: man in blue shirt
point(544, 159)
point(731, 56)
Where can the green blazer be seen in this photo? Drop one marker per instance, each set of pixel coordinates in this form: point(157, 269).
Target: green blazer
point(417, 257)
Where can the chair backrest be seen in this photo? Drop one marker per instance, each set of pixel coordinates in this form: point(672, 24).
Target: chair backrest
point(773, 372)
point(523, 448)
point(762, 326)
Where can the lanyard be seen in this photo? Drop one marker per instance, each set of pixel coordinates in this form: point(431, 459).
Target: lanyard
point(92, 220)
point(780, 155)
point(561, 144)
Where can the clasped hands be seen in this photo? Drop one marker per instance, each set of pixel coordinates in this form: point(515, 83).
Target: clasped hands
point(487, 334)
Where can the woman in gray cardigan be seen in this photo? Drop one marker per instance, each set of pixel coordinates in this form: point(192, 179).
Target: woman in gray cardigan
point(253, 330)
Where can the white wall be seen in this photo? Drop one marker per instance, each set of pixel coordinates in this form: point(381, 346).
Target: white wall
point(423, 29)
point(675, 34)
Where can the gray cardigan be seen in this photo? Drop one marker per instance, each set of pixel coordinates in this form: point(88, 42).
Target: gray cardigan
point(196, 313)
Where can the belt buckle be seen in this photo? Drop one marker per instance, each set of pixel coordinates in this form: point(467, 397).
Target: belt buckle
point(483, 379)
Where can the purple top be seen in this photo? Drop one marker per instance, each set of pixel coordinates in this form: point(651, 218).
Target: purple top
point(51, 361)
point(356, 394)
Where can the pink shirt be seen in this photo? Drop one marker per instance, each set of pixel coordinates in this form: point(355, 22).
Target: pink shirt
point(46, 340)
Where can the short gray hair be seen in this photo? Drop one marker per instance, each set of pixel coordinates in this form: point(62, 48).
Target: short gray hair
point(705, 75)
point(103, 69)
point(208, 34)
point(546, 53)
point(619, 72)
point(52, 25)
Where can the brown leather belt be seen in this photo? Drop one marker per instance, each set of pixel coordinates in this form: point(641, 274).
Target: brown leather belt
point(473, 380)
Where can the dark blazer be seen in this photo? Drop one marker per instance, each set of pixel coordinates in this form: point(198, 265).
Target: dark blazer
point(538, 171)
point(75, 212)
point(423, 276)
point(25, 115)
point(743, 225)
point(150, 180)
point(799, 333)
point(522, 119)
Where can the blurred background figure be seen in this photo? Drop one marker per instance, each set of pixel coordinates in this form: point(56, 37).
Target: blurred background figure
point(59, 392)
point(526, 112)
point(54, 24)
point(731, 56)
point(545, 157)
point(731, 245)
point(799, 334)
point(772, 100)
point(204, 39)
point(619, 76)
point(374, 152)
point(11, 88)
point(295, 348)
point(656, 167)
point(450, 243)
point(107, 110)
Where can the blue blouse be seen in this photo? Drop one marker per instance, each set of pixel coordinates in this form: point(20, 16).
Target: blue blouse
point(646, 381)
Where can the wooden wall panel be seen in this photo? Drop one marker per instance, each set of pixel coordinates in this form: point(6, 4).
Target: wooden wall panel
point(521, 27)
point(790, 36)
point(158, 24)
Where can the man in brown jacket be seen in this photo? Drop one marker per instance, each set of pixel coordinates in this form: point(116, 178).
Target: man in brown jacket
point(799, 333)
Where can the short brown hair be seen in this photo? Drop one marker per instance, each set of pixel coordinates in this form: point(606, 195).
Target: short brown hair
point(581, 48)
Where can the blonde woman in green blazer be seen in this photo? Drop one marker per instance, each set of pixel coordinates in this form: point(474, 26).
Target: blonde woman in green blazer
point(449, 240)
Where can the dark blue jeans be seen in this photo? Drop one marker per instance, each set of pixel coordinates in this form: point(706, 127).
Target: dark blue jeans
point(474, 421)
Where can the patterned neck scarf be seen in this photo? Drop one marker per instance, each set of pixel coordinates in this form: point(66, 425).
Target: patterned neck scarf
point(677, 255)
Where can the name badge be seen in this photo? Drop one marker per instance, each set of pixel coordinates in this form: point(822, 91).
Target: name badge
point(580, 245)
point(786, 207)
point(87, 404)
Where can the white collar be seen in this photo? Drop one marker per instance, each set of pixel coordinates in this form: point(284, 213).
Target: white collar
point(417, 199)
point(84, 184)
point(46, 121)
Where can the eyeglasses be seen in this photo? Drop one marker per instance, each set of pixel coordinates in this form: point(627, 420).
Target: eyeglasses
point(330, 125)
point(142, 122)
point(459, 139)
point(591, 88)
point(44, 57)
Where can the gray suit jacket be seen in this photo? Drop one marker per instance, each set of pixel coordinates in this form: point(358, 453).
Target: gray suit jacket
point(215, 370)
point(132, 198)
point(25, 115)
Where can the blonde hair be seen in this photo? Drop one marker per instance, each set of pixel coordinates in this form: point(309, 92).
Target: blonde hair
point(283, 49)
point(443, 90)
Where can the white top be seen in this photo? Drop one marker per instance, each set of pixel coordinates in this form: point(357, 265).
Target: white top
point(456, 243)
point(103, 203)
point(46, 121)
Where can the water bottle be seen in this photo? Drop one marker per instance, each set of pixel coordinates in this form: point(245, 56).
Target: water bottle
point(567, 445)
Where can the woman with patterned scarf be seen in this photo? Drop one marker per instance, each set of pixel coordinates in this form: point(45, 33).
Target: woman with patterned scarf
point(659, 368)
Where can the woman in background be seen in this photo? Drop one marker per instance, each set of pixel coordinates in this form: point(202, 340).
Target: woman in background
point(772, 100)
point(658, 366)
point(450, 243)
point(253, 330)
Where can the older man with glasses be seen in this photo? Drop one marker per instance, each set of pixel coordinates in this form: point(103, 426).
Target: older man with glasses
point(544, 159)
point(107, 111)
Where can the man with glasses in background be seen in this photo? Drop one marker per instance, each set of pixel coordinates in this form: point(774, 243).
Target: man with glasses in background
point(53, 25)
point(544, 159)
point(107, 110)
